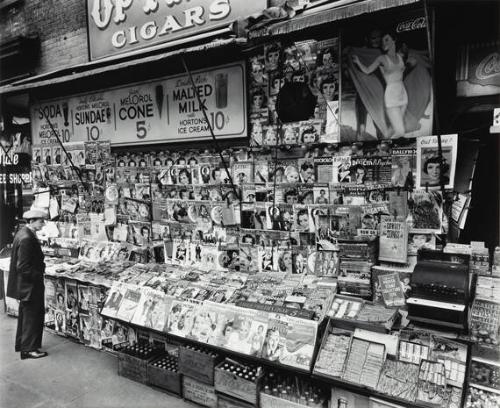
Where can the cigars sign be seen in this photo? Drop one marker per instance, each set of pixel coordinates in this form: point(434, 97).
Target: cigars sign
point(478, 70)
point(163, 111)
point(117, 26)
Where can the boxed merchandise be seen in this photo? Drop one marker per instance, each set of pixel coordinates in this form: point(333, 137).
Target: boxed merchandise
point(163, 372)
point(199, 392)
point(238, 380)
point(133, 361)
point(333, 352)
point(198, 363)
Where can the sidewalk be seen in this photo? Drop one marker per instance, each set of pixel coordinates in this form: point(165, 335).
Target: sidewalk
point(71, 376)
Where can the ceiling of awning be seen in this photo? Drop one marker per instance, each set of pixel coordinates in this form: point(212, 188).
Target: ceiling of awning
point(91, 69)
point(327, 13)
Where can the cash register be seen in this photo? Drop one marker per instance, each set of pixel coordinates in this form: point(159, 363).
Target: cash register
point(440, 291)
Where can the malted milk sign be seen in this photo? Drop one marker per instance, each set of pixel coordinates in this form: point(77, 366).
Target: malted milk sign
point(117, 26)
point(163, 111)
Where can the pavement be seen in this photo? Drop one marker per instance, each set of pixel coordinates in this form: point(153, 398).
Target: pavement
point(72, 375)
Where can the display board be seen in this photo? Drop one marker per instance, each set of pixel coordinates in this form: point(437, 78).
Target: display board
point(162, 111)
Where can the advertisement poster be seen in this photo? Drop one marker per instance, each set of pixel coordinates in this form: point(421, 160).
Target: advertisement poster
point(387, 84)
point(429, 170)
point(163, 111)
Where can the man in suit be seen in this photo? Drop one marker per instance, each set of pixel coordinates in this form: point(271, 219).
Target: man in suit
point(26, 284)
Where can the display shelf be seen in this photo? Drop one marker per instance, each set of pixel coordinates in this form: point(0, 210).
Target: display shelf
point(229, 353)
point(366, 391)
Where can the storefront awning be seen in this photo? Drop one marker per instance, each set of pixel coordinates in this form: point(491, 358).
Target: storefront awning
point(95, 68)
point(327, 13)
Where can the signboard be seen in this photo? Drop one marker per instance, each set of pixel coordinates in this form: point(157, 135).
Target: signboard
point(478, 70)
point(123, 25)
point(163, 111)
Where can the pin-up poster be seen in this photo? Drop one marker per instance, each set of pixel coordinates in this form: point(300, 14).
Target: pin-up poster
point(163, 111)
point(387, 84)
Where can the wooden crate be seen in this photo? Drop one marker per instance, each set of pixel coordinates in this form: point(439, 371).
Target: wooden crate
point(224, 401)
point(165, 379)
point(134, 368)
point(270, 401)
point(197, 364)
point(235, 386)
point(199, 392)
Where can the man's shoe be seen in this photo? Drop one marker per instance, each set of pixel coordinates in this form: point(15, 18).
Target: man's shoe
point(33, 354)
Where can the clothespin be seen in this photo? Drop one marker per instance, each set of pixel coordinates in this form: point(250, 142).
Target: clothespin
point(426, 187)
point(399, 191)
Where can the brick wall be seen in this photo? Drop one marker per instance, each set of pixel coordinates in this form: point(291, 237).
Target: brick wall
point(60, 25)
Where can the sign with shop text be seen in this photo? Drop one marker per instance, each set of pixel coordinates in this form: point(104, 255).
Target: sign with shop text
point(123, 25)
point(163, 111)
point(478, 71)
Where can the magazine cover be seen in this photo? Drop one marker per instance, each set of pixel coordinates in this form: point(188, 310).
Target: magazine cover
point(327, 263)
point(114, 299)
point(72, 323)
point(181, 318)
point(50, 293)
point(393, 242)
point(429, 170)
point(391, 289)
point(107, 333)
point(239, 339)
point(60, 320)
point(275, 339)
point(85, 329)
point(129, 303)
point(404, 167)
point(387, 84)
point(418, 241)
point(152, 310)
point(83, 298)
point(71, 295)
point(426, 211)
point(371, 169)
point(341, 169)
point(121, 334)
point(204, 325)
point(300, 341)
point(404, 276)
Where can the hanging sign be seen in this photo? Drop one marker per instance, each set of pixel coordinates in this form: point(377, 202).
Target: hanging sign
point(163, 111)
point(478, 70)
point(123, 25)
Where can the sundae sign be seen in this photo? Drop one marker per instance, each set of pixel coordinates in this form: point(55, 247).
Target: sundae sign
point(117, 26)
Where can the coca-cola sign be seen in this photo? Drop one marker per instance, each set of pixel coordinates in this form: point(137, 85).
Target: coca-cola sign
point(489, 67)
point(478, 71)
point(418, 23)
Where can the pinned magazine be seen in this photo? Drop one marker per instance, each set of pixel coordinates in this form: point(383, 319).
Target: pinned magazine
point(431, 170)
